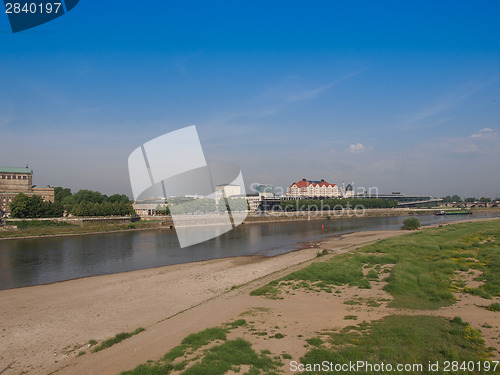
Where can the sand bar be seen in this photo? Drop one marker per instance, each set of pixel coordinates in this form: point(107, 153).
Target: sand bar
point(44, 327)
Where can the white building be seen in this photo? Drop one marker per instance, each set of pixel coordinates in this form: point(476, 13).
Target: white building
point(228, 190)
point(148, 206)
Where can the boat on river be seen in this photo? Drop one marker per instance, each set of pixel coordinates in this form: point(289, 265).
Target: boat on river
point(445, 213)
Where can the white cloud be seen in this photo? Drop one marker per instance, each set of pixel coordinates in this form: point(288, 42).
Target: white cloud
point(358, 147)
point(484, 133)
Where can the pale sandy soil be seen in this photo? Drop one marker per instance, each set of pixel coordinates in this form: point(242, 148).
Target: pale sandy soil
point(43, 328)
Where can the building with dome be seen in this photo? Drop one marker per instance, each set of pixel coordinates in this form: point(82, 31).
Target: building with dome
point(347, 191)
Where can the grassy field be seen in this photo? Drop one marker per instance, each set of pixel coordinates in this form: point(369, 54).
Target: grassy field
point(422, 269)
point(209, 352)
point(53, 228)
point(399, 339)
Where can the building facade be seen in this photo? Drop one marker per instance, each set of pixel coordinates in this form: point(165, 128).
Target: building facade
point(313, 189)
point(19, 180)
point(226, 191)
point(348, 191)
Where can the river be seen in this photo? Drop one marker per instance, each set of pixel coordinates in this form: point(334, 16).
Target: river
point(28, 262)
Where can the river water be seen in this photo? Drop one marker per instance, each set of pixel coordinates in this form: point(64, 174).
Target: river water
point(28, 262)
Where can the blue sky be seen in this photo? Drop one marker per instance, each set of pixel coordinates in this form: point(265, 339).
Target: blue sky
point(402, 96)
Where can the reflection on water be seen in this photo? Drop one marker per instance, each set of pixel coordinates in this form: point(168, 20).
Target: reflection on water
point(39, 261)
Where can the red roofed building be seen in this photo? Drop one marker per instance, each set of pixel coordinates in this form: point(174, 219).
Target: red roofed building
point(313, 189)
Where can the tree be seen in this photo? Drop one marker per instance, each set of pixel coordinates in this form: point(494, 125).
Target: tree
point(20, 206)
point(61, 193)
point(120, 198)
point(485, 199)
point(470, 200)
point(410, 223)
point(90, 196)
point(162, 210)
point(456, 198)
point(56, 209)
point(24, 206)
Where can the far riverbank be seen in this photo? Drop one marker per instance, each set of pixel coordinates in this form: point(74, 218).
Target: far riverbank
point(76, 227)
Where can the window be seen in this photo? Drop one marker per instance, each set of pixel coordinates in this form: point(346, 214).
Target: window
point(8, 177)
point(3, 177)
point(25, 177)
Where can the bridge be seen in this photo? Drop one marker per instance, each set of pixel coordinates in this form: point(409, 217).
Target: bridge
point(424, 202)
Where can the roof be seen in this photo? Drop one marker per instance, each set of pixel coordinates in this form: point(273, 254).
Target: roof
point(305, 183)
point(15, 170)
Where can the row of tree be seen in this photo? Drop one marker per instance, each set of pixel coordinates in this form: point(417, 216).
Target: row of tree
point(457, 198)
point(82, 203)
point(334, 204)
point(206, 205)
point(33, 206)
point(102, 209)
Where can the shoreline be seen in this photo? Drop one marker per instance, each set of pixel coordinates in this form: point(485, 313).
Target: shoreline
point(45, 327)
point(162, 225)
point(300, 245)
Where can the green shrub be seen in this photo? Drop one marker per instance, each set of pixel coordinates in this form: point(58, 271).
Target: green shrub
point(410, 223)
point(494, 306)
point(117, 339)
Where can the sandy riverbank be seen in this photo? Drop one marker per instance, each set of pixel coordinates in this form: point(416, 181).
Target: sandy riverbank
point(43, 328)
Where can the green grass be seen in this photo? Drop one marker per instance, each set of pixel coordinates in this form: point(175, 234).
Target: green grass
point(268, 290)
point(196, 340)
point(494, 306)
point(321, 253)
point(41, 228)
point(402, 339)
point(350, 317)
point(117, 339)
point(226, 355)
point(23, 224)
point(372, 275)
point(237, 323)
point(410, 223)
point(314, 341)
point(425, 264)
